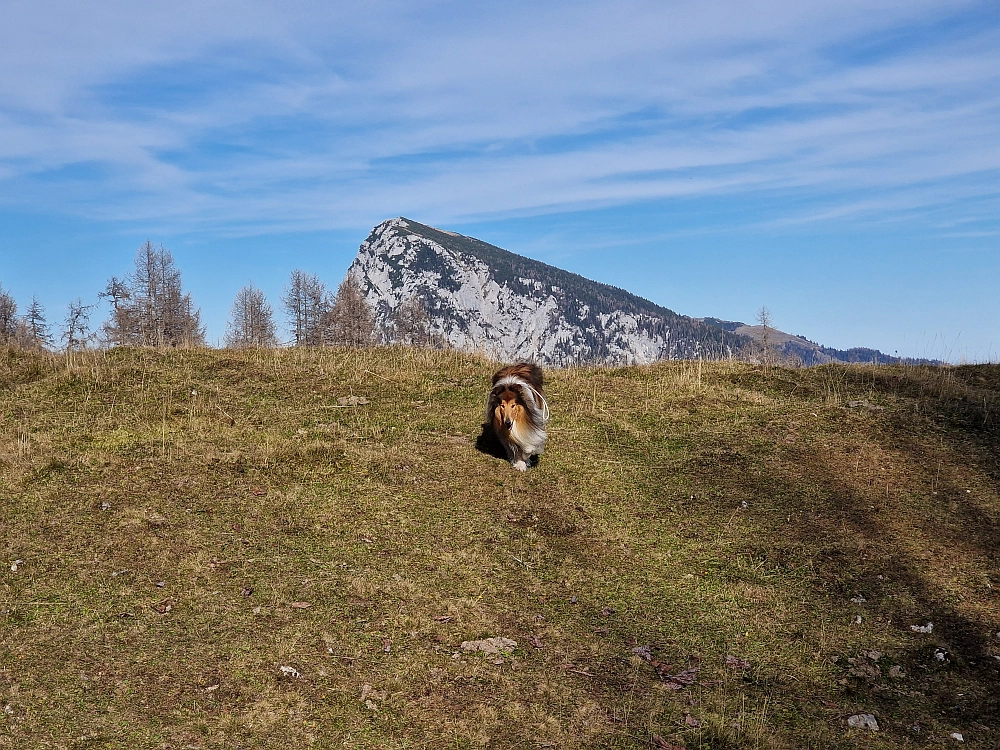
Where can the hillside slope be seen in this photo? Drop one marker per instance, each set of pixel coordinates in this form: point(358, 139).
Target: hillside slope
point(288, 548)
point(793, 348)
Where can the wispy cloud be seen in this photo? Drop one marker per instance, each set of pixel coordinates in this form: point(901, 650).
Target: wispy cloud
point(250, 116)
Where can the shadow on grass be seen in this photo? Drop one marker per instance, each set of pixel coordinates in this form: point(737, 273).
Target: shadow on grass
point(924, 552)
point(860, 542)
point(488, 443)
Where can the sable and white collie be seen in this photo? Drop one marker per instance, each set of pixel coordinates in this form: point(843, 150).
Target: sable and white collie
point(517, 412)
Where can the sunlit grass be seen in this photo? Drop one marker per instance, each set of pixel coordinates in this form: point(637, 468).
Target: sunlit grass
point(174, 511)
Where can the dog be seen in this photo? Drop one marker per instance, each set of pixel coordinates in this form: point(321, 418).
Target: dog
point(517, 412)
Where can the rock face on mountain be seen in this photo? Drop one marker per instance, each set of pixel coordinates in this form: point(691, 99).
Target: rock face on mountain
point(481, 298)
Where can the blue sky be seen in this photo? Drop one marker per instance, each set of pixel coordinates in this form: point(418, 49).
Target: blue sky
point(838, 162)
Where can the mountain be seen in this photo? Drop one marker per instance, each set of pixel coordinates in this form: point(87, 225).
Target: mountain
point(483, 298)
point(800, 350)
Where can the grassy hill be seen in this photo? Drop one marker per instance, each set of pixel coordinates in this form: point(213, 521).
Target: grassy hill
point(179, 526)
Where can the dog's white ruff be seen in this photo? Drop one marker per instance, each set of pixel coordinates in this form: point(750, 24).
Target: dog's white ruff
point(514, 380)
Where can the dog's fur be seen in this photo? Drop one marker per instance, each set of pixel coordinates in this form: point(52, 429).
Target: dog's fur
point(516, 411)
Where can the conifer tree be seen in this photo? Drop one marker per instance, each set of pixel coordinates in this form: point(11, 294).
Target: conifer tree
point(150, 307)
point(36, 327)
point(251, 321)
point(119, 327)
point(411, 324)
point(8, 318)
point(352, 320)
point(76, 326)
point(307, 303)
point(768, 354)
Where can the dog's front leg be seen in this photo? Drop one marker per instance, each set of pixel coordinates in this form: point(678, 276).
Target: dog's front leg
point(518, 459)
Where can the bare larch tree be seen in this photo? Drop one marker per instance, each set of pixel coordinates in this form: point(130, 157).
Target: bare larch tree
point(411, 324)
point(307, 303)
point(76, 326)
point(150, 307)
point(352, 320)
point(37, 328)
point(166, 315)
point(8, 319)
point(251, 321)
point(117, 329)
point(765, 320)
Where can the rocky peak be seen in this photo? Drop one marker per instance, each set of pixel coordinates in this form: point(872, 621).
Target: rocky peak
point(485, 299)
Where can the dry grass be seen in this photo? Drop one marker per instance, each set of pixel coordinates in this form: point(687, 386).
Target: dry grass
point(170, 508)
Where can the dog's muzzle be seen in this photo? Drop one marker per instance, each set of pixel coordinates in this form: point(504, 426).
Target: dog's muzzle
point(508, 423)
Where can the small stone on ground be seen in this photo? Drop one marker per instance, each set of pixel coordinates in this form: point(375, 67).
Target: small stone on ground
point(863, 721)
point(491, 646)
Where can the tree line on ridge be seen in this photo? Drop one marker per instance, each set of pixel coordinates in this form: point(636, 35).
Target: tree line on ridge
point(149, 308)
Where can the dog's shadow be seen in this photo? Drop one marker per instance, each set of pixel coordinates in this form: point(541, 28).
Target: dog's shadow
point(488, 443)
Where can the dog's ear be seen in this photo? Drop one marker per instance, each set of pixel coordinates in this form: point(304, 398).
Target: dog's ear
point(522, 396)
point(492, 401)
